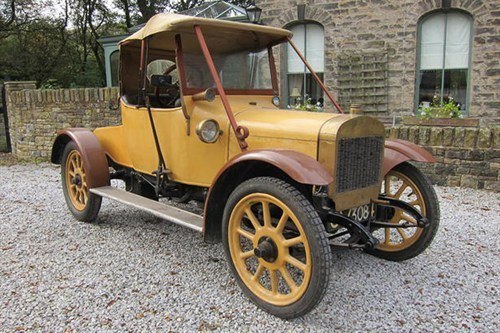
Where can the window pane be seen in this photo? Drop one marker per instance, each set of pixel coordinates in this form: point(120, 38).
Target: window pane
point(296, 91)
point(295, 65)
point(432, 42)
point(241, 70)
point(315, 46)
point(430, 86)
point(313, 90)
point(295, 88)
point(457, 41)
point(114, 65)
point(455, 85)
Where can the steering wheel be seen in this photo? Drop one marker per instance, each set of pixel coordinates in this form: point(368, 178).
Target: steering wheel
point(170, 69)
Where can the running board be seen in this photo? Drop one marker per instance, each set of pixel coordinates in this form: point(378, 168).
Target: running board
point(167, 212)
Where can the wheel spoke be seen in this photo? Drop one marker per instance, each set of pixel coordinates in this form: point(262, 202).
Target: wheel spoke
point(266, 213)
point(253, 219)
point(387, 185)
point(282, 222)
point(401, 190)
point(258, 272)
point(288, 279)
point(414, 203)
point(85, 197)
point(296, 262)
point(245, 233)
point(409, 218)
point(387, 239)
point(402, 233)
point(274, 281)
point(246, 255)
point(293, 241)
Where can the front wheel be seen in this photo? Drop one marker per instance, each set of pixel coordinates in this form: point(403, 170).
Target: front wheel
point(405, 182)
point(83, 205)
point(276, 246)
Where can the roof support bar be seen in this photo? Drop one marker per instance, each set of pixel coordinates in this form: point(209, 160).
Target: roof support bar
point(272, 67)
point(322, 85)
point(240, 132)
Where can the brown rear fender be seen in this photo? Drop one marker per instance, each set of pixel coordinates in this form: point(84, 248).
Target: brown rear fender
point(284, 164)
point(399, 151)
point(94, 159)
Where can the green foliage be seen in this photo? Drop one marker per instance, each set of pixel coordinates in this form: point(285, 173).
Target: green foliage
point(438, 109)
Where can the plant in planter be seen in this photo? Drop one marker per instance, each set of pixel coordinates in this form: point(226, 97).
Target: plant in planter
point(307, 105)
point(440, 109)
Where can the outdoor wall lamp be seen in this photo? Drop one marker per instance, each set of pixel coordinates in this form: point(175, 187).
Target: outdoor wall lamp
point(253, 13)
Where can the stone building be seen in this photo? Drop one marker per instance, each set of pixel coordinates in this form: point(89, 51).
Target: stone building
point(393, 57)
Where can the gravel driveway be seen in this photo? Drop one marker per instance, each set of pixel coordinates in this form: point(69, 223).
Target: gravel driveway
point(132, 271)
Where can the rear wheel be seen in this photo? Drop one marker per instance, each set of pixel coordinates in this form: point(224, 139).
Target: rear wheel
point(82, 204)
point(405, 182)
point(276, 246)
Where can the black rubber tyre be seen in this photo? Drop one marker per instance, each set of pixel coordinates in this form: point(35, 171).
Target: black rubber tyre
point(84, 206)
point(305, 223)
point(419, 183)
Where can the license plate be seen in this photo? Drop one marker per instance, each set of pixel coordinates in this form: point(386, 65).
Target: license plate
point(360, 213)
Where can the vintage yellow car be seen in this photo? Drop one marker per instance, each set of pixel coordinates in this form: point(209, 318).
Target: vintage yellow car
point(201, 121)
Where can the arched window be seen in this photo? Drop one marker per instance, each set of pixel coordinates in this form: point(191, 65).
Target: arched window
point(444, 56)
point(114, 61)
point(310, 39)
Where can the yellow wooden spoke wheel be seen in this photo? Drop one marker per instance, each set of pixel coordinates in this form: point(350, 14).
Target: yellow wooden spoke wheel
point(82, 204)
point(272, 235)
point(408, 184)
point(275, 275)
point(76, 180)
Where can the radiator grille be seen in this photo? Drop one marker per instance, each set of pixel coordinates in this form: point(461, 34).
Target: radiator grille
point(359, 163)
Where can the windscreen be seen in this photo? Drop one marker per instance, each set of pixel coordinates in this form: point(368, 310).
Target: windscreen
point(245, 70)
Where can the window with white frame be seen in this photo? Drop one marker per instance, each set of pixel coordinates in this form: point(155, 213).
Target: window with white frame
point(114, 60)
point(443, 72)
point(301, 86)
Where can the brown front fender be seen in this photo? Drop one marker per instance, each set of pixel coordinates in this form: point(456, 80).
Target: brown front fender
point(94, 159)
point(399, 151)
point(280, 163)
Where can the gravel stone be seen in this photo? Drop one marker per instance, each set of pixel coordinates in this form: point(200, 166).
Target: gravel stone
point(134, 272)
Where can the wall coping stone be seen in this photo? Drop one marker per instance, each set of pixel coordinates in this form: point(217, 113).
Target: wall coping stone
point(446, 122)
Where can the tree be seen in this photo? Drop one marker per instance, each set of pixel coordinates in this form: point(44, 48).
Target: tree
point(16, 13)
point(92, 19)
point(36, 52)
point(140, 11)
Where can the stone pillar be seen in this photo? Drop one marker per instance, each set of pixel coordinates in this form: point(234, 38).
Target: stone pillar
point(9, 117)
point(3, 136)
point(18, 85)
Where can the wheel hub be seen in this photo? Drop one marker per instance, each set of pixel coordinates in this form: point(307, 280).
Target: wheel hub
point(77, 180)
point(266, 250)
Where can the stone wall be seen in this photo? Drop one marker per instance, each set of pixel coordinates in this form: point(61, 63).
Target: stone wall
point(354, 27)
point(36, 115)
point(468, 157)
